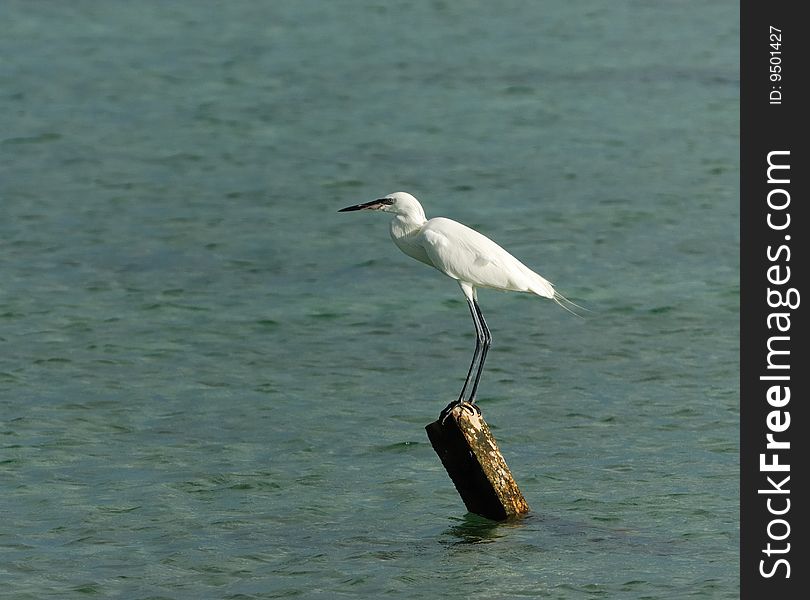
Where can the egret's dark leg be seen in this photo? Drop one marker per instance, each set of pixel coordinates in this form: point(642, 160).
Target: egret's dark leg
point(486, 342)
point(478, 338)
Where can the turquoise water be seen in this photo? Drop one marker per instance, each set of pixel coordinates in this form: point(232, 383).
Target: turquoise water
point(215, 386)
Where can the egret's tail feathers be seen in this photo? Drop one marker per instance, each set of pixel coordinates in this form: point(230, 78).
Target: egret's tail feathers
point(567, 304)
point(540, 286)
point(543, 287)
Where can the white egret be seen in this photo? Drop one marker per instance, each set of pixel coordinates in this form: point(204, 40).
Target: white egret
point(467, 256)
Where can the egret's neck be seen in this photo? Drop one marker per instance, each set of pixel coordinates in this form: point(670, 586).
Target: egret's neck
point(404, 229)
point(404, 226)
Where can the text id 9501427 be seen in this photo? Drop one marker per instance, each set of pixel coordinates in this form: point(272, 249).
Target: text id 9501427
point(775, 65)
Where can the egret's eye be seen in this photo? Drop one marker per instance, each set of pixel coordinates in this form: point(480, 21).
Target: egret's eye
point(386, 200)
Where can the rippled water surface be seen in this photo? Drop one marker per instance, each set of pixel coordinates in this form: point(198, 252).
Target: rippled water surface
point(213, 385)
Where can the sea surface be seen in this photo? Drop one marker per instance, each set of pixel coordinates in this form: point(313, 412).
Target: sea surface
point(213, 385)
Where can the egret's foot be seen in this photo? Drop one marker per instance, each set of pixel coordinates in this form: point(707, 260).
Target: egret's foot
point(448, 409)
point(470, 406)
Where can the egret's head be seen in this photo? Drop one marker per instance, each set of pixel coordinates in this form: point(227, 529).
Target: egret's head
point(399, 203)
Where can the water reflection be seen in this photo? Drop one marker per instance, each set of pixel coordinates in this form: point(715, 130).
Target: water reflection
point(473, 529)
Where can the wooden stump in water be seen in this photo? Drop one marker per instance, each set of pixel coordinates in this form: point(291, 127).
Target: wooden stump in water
point(471, 457)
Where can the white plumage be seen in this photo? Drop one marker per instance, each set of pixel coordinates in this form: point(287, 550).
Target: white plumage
point(467, 256)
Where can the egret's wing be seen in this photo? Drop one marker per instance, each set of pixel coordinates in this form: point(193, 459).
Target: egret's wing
point(464, 254)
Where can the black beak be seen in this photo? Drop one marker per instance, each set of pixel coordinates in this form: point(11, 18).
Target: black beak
point(373, 205)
